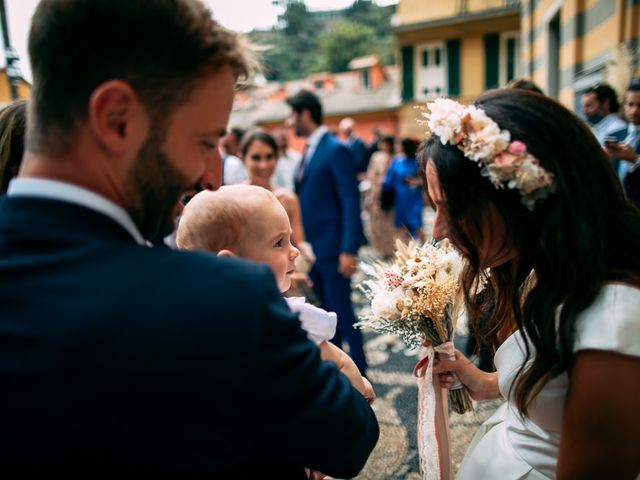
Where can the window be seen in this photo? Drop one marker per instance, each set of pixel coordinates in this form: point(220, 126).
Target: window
point(364, 78)
point(509, 57)
point(430, 66)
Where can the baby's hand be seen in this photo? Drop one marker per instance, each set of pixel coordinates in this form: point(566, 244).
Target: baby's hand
point(369, 393)
point(315, 475)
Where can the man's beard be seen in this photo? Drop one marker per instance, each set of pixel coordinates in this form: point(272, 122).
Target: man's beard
point(299, 130)
point(155, 185)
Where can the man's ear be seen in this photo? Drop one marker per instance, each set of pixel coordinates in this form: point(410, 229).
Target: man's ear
point(117, 118)
point(226, 253)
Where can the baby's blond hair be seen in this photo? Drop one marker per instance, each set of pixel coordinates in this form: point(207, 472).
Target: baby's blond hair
point(218, 220)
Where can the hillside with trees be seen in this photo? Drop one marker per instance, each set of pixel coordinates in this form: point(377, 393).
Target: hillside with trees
point(306, 41)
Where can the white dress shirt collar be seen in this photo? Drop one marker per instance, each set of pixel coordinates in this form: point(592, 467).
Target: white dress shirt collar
point(66, 192)
point(316, 135)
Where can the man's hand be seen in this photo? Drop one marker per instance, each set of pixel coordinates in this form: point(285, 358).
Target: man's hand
point(621, 150)
point(348, 262)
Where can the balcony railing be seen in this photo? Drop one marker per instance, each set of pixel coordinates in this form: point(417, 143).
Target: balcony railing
point(475, 6)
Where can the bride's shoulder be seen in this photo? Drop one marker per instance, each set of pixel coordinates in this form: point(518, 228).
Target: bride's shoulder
point(286, 197)
point(612, 321)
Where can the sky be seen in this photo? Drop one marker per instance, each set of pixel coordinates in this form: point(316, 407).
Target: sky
point(240, 15)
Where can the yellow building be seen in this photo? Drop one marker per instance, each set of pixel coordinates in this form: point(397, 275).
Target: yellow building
point(567, 44)
point(24, 89)
point(457, 48)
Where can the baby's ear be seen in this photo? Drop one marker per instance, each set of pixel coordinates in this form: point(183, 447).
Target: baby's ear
point(226, 253)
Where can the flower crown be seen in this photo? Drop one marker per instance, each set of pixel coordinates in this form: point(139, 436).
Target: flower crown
point(480, 139)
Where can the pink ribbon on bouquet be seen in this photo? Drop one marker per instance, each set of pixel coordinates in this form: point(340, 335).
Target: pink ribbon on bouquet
point(433, 418)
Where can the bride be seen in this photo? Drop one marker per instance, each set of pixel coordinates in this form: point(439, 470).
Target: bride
point(527, 194)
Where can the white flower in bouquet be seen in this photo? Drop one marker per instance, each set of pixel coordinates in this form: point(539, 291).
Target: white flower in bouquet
point(388, 304)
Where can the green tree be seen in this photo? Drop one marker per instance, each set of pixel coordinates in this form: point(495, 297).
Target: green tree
point(367, 12)
point(303, 42)
point(342, 43)
point(370, 14)
point(293, 52)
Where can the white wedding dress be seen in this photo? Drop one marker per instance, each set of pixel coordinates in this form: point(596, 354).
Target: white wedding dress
point(508, 447)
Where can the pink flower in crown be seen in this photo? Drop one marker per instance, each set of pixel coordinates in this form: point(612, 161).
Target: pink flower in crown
point(502, 168)
point(517, 147)
point(505, 160)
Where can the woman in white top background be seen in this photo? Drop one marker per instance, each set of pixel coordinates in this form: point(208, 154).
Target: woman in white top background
point(526, 193)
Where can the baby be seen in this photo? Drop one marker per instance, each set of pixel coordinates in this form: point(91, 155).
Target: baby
point(250, 222)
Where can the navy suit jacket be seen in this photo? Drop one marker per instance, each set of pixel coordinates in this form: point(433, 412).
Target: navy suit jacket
point(358, 151)
point(330, 200)
point(117, 358)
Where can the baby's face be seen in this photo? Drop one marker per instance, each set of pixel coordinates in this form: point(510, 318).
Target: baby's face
point(268, 239)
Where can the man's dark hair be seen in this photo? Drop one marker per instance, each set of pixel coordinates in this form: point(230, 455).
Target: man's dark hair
point(409, 146)
point(238, 133)
point(634, 85)
point(604, 92)
point(306, 100)
point(160, 47)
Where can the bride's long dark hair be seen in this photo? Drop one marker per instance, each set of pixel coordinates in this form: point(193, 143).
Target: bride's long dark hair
point(582, 236)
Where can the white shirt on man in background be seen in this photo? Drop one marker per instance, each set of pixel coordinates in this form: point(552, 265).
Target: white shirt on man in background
point(233, 171)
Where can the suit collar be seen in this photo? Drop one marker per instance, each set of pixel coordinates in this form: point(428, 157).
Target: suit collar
point(66, 192)
point(24, 217)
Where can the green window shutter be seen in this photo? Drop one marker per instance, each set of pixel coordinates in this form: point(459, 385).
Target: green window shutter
point(491, 61)
point(453, 67)
point(407, 73)
point(511, 59)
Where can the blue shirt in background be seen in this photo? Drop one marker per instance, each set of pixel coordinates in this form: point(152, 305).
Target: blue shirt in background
point(403, 177)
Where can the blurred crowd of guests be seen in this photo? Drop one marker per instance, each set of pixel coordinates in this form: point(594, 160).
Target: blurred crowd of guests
point(392, 196)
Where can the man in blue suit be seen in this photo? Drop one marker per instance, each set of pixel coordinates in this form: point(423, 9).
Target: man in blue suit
point(330, 203)
point(118, 359)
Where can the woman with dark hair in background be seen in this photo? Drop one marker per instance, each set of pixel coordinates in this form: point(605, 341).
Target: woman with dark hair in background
point(522, 188)
point(13, 125)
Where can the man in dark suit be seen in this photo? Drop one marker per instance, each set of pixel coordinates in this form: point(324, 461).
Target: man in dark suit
point(628, 151)
point(330, 204)
point(119, 359)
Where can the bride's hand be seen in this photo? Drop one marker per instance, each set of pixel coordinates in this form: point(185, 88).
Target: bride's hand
point(481, 385)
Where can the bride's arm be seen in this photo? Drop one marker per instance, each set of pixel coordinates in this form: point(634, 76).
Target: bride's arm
point(481, 385)
point(601, 422)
